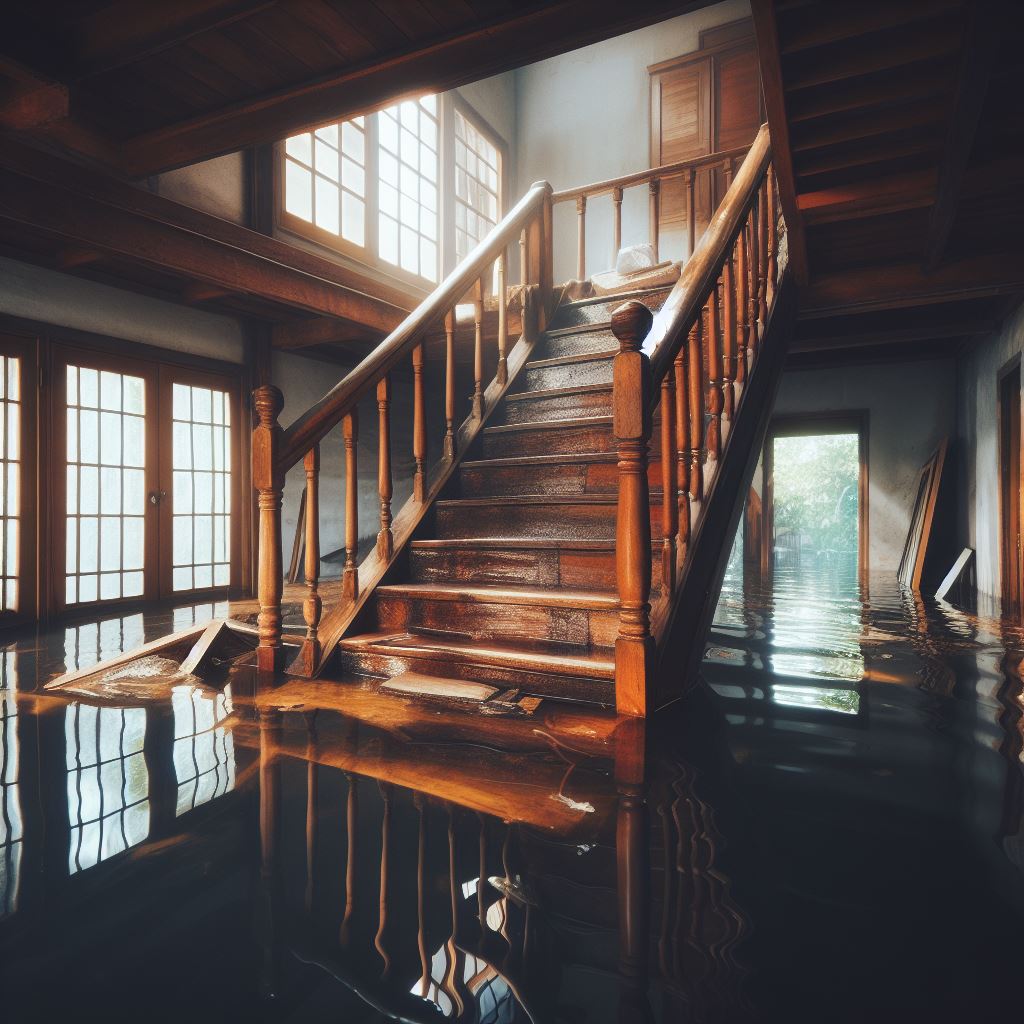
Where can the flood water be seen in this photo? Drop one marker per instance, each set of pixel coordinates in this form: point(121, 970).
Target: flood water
point(831, 830)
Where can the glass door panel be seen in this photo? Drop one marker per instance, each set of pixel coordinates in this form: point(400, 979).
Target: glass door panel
point(105, 485)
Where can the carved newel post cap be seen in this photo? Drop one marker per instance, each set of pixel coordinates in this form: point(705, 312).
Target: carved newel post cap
point(269, 402)
point(631, 323)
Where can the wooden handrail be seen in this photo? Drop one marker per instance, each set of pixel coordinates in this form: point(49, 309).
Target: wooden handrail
point(702, 270)
point(659, 173)
point(317, 421)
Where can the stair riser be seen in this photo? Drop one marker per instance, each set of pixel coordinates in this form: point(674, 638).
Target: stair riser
point(558, 478)
point(559, 407)
point(591, 570)
point(546, 522)
point(601, 312)
point(598, 691)
point(555, 441)
point(574, 344)
point(497, 622)
point(568, 375)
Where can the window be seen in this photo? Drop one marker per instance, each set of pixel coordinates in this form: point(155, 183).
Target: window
point(375, 187)
point(204, 752)
point(10, 480)
point(108, 782)
point(11, 830)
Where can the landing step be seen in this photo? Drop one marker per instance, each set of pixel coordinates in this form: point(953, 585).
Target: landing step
point(525, 596)
point(467, 653)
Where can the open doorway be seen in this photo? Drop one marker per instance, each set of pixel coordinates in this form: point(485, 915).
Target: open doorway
point(816, 507)
point(1010, 486)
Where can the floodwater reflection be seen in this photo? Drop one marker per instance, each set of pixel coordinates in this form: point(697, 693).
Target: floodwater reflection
point(832, 828)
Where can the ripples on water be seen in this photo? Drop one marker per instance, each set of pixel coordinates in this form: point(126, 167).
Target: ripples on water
point(830, 830)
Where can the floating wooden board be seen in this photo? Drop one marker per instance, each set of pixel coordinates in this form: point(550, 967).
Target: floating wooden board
point(954, 574)
point(417, 684)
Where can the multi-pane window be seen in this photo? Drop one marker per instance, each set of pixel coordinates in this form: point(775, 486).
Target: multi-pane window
point(408, 166)
point(204, 751)
point(10, 479)
point(11, 829)
point(106, 503)
point(476, 186)
point(107, 782)
point(201, 551)
point(399, 185)
point(325, 179)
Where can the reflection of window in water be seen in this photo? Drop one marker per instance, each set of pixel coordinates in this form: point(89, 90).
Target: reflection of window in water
point(93, 642)
point(10, 805)
point(108, 782)
point(817, 697)
point(190, 614)
point(204, 750)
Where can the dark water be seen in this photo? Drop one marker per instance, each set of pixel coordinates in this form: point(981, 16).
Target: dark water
point(831, 831)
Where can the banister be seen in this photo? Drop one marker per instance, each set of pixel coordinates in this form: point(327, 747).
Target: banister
point(314, 424)
point(660, 172)
point(699, 273)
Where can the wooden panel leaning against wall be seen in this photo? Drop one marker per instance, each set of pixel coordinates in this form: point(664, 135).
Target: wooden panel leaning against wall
point(703, 102)
point(89, 431)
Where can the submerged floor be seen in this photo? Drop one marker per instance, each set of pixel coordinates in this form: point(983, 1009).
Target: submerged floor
point(832, 831)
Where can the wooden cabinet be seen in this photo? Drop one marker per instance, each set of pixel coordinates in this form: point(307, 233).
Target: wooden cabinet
point(703, 102)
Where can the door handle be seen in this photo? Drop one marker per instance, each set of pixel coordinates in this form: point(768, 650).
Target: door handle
point(155, 497)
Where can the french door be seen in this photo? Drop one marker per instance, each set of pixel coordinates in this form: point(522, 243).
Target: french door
point(145, 462)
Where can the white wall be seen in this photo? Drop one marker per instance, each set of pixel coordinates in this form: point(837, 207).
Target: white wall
point(978, 407)
point(911, 408)
point(584, 116)
point(215, 186)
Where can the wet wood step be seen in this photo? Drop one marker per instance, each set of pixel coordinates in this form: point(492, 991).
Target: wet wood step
point(549, 437)
point(567, 371)
point(600, 308)
point(547, 474)
point(583, 618)
point(516, 560)
point(547, 669)
point(557, 404)
point(548, 517)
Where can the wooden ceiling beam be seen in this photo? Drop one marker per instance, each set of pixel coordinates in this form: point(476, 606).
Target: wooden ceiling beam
point(980, 47)
point(297, 334)
point(766, 33)
point(899, 337)
point(836, 130)
point(905, 285)
point(532, 34)
point(859, 95)
point(869, 198)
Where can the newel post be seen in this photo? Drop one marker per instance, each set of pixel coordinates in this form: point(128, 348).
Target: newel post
point(268, 480)
point(631, 423)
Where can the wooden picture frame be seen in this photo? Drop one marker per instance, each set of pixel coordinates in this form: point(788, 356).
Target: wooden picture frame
point(922, 516)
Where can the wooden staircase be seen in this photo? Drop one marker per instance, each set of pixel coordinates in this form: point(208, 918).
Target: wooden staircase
point(515, 584)
point(524, 559)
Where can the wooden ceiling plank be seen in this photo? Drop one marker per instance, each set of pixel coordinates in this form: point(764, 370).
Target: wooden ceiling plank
point(883, 90)
point(902, 336)
point(835, 130)
point(981, 43)
point(766, 34)
point(869, 198)
point(531, 34)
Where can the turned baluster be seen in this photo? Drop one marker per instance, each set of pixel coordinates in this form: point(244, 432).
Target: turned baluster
point(762, 257)
point(385, 540)
point(654, 198)
point(268, 480)
point(312, 607)
point(419, 427)
point(691, 210)
point(753, 255)
point(350, 574)
point(631, 425)
point(502, 375)
point(729, 334)
point(449, 385)
point(581, 238)
point(742, 306)
point(478, 350)
point(773, 235)
point(695, 389)
point(716, 396)
point(669, 484)
point(617, 222)
point(682, 444)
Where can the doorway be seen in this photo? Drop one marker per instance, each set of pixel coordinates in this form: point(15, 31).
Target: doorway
point(816, 509)
point(146, 457)
point(1010, 487)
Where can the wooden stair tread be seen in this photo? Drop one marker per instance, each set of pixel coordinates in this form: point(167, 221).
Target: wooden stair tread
point(579, 389)
point(518, 543)
point(637, 293)
point(575, 421)
point(541, 460)
point(588, 328)
point(546, 597)
point(503, 501)
point(591, 664)
point(579, 357)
